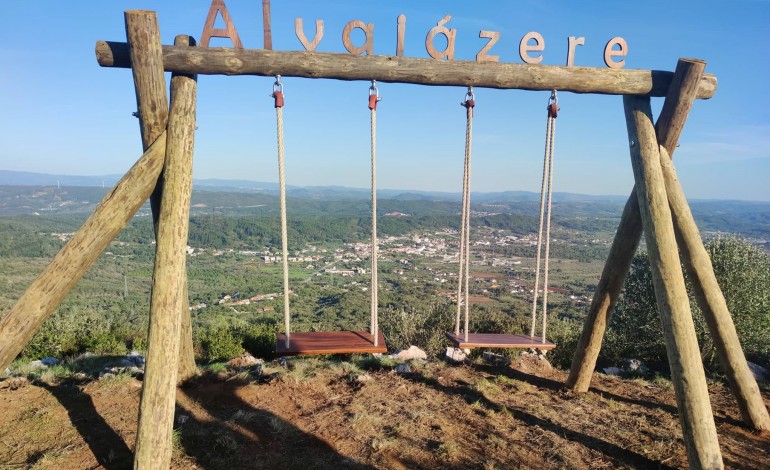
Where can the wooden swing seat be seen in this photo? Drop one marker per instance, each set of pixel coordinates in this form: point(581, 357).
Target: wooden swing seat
point(330, 342)
point(491, 340)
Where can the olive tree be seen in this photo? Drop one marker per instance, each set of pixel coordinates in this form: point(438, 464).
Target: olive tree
point(743, 273)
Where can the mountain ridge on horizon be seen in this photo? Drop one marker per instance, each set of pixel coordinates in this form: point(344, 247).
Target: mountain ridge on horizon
point(28, 178)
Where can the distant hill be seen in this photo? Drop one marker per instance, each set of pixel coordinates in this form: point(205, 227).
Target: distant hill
point(25, 178)
point(39, 194)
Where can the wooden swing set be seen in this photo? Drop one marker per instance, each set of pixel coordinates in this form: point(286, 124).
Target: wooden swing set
point(164, 174)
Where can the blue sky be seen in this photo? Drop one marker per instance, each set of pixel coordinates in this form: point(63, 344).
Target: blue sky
point(62, 113)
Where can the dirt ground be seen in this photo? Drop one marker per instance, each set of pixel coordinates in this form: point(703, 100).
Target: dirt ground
point(321, 414)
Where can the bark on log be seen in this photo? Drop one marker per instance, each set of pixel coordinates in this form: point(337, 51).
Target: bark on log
point(227, 61)
point(153, 440)
point(684, 359)
point(187, 368)
point(169, 294)
point(669, 127)
point(712, 303)
point(45, 294)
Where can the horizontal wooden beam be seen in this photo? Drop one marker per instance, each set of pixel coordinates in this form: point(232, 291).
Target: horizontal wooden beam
point(228, 61)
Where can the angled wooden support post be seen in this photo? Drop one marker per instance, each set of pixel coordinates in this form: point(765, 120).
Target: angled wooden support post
point(684, 359)
point(169, 294)
point(69, 265)
point(676, 107)
point(152, 104)
point(712, 303)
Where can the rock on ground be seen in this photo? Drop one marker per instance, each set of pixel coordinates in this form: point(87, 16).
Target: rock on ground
point(408, 354)
point(245, 361)
point(455, 355)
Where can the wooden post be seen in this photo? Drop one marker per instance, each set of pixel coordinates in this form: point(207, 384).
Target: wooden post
point(687, 372)
point(146, 58)
point(169, 294)
point(187, 368)
point(712, 303)
point(47, 291)
point(676, 107)
point(261, 62)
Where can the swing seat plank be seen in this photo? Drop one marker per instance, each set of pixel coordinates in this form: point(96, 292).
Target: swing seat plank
point(490, 340)
point(330, 342)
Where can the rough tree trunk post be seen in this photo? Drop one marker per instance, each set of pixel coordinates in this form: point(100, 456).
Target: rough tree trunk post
point(187, 368)
point(712, 303)
point(67, 268)
point(676, 107)
point(146, 58)
point(687, 374)
point(169, 297)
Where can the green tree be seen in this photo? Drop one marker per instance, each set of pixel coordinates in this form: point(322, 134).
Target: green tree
point(743, 273)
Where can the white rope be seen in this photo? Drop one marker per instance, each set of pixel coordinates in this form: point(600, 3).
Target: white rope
point(467, 197)
point(463, 275)
point(463, 223)
point(375, 282)
point(548, 228)
point(546, 193)
point(284, 234)
point(540, 226)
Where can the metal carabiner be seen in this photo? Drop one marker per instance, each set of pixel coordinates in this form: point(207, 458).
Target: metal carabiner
point(277, 86)
point(373, 90)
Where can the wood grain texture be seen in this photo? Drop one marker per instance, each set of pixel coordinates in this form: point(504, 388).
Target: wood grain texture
point(153, 440)
point(684, 359)
point(169, 285)
point(45, 294)
point(712, 303)
point(330, 342)
point(490, 340)
point(187, 367)
point(676, 108)
point(225, 61)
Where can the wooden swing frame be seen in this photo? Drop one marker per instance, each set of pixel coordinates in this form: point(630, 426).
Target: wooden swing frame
point(656, 206)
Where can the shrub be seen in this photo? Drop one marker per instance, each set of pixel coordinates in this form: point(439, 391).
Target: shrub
point(219, 342)
point(743, 273)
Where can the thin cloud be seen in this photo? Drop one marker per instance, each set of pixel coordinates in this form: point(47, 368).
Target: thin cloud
point(733, 145)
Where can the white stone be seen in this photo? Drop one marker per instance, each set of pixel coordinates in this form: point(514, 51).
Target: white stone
point(408, 354)
point(37, 365)
point(455, 355)
point(611, 371)
point(363, 378)
point(635, 365)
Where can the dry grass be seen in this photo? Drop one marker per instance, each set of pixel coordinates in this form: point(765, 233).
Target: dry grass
point(313, 414)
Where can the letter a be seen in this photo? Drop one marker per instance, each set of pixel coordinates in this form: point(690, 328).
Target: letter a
point(218, 6)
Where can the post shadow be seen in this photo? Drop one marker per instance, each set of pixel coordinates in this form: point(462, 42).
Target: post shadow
point(108, 447)
point(470, 396)
point(264, 439)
